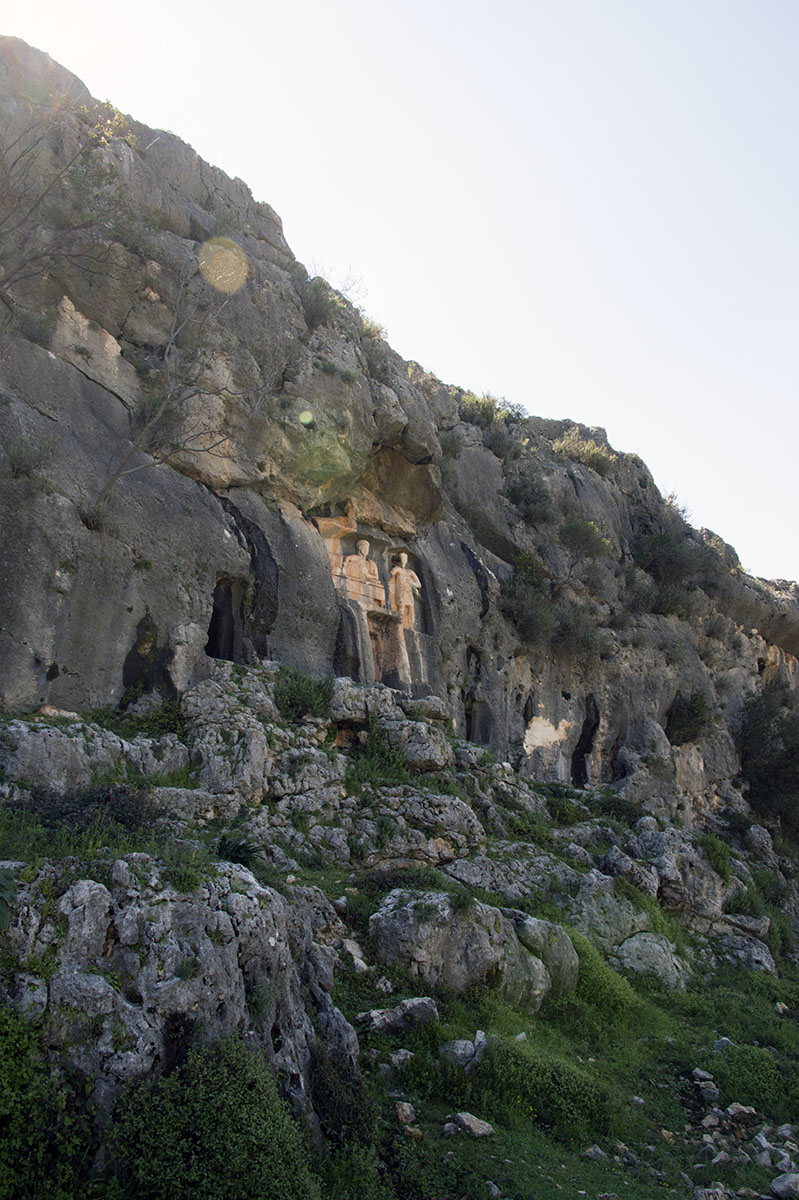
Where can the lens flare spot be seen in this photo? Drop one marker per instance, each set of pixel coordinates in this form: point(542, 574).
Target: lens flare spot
point(223, 264)
point(306, 417)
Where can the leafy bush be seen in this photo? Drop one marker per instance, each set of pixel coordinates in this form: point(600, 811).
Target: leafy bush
point(585, 450)
point(717, 853)
point(526, 603)
point(582, 539)
point(673, 600)
point(750, 1075)
point(54, 826)
point(672, 555)
point(8, 890)
point(318, 301)
point(688, 719)
point(597, 984)
point(297, 695)
point(44, 1132)
point(482, 411)
point(531, 496)
point(576, 633)
point(214, 1127)
point(618, 807)
point(375, 762)
point(769, 747)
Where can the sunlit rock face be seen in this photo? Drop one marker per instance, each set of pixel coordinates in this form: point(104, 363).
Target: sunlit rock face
point(307, 496)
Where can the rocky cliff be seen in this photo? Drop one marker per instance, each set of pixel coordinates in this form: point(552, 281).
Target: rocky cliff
point(300, 617)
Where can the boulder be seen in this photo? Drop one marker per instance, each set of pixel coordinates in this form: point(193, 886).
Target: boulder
point(457, 949)
point(552, 944)
point(419, 1010)
point(651, 954)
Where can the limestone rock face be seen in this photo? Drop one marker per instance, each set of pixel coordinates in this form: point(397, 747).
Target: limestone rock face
point(226, 539)
point(139, 955)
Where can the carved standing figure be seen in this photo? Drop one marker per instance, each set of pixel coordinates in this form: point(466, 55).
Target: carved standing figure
point(362, 578)
point(404, 589)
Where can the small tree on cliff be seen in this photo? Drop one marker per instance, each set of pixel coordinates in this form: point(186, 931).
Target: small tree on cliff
point(61, 211)
point(177, 414)
point(57, 202)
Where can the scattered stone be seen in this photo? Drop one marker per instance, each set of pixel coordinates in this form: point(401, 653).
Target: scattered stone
point(595, 1154)
point(451, 1128)
point(384, 985)
point(722, 1043)
point(781, 1009)
point(419, 1010)
point(473, 1125)
point(413, 1132)
point(405, 1113)
point(710, 1093)
point(742, 1114)
point(340, 905)
point(702, 1076)
point(638, 1101)
point(786, 1187)
point(400, 1058)
point(666, 1135)
point(493, 1191)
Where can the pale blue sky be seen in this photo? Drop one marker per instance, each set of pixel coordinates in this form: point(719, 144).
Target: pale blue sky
point(587, 206)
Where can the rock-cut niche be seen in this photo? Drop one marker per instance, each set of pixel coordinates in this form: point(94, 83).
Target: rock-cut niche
point(227, 620)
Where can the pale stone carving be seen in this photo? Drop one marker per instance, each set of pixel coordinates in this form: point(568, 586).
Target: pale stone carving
point(404, 588)
point(362, 579)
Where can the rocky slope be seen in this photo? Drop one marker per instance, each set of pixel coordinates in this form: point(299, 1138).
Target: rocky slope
point(336, 697)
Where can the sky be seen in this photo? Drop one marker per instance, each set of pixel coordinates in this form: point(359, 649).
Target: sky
point(589, 207)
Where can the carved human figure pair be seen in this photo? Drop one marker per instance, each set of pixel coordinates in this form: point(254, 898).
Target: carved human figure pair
point(365, 588)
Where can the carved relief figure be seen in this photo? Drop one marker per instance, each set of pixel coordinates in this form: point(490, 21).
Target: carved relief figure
point(362, 578)
point(404, 589)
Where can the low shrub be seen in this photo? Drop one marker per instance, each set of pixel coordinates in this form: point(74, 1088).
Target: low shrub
point(215, 1126)
point(318, 301)
point(661, 922)
point(585, 450)
point(517, 1080)
point(768, 742)
point(376, 762)
point(531, 497)
point(582, 539)
point(25, 456)
point(482, 411)
point(717, 853)
point(154, 723)
point(597, 984)
point(577, 634)
point(688, 718)
point(751, 1075)
point(298, 695)
point(673, 555)
point(525, 601)
point(8, 890)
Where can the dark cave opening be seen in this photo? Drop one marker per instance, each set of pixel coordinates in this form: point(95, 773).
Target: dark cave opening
point(224, 630)
point(585, 743)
